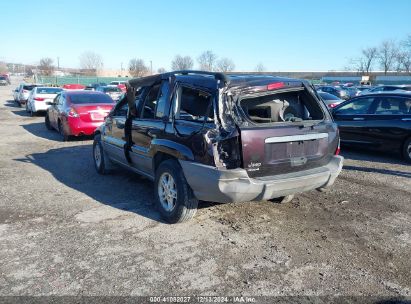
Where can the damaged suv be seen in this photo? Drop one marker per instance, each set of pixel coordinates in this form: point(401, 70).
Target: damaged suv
point(203, 136)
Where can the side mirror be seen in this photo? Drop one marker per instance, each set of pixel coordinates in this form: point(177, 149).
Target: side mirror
point(50, 103)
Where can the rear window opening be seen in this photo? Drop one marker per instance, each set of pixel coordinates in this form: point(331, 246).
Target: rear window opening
point(295, 106)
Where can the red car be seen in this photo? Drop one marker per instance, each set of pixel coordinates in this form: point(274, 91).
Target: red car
point(77, 113)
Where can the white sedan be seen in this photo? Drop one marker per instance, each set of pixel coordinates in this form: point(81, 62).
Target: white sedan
point(39, 97)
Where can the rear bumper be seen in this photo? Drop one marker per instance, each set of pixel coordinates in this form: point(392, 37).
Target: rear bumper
point(77, 127)
point(38, 106)
point(224, 186)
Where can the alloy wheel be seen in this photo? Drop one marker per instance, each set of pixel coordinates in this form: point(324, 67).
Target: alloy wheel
point(167, 191)
point(97, 155)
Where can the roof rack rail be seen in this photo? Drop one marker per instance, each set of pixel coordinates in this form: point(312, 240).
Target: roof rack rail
point(217, 75)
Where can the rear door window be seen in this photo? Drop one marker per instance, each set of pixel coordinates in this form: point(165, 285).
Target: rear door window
point(193, 105)
point(162, 100)
point(392, 106)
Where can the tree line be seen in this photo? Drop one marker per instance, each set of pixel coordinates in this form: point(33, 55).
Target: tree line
point(390, 55)
point(90, 63)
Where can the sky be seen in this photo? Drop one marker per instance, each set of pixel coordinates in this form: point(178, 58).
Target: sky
point(292, 35)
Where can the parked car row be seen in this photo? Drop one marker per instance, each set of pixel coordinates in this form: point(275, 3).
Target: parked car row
point(77, 113)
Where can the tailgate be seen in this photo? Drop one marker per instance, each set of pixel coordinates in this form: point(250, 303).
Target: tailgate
point(284, 149)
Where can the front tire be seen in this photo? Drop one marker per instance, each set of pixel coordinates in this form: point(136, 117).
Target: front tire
point(101, 162)
point(407, 150)
point(174, 198)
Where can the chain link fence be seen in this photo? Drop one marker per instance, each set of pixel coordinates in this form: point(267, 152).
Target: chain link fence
point(84, 80)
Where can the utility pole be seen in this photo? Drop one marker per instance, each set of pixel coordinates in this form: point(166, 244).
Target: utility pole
point(58, 63)
point(151, 67)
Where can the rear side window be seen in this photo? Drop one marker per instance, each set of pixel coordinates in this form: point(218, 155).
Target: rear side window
point(193, 105)
point(29, 87)
point(282, 107)
point(90, 98)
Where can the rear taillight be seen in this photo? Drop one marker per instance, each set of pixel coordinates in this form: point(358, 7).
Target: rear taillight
point(39, 98)
point(275, 86)
point(72, 112)
point(25, 91)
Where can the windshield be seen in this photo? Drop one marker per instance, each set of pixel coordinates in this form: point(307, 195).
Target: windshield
point(90, 98)
point(2, 78)
point(48, 90)
point(111, 89)
point(29, 87)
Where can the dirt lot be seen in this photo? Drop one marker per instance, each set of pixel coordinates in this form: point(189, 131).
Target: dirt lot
point(65, 230)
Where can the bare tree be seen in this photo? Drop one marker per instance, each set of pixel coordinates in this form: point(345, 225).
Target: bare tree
point(369, 56)
point(182, 63)
point(387, 54)
point(358, 65)
point(260, 68)
point(46, 66)
point(91, 62)
point(161, 70)
point(207, 61)
point(405, 55)
point(137, 68)
point(225, 65)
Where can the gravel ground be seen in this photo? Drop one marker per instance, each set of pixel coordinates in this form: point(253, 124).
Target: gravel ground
point(65, 230)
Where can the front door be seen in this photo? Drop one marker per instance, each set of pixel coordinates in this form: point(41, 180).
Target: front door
point(352, 119)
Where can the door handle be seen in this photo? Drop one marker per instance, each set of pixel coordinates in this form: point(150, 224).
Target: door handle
point(358, 118)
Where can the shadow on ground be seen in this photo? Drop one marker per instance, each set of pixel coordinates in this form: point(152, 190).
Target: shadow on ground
point(73, 166)
point(39, 129)
point(376, 170)
point(372, 156)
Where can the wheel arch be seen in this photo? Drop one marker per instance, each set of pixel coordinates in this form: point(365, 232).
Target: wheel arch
point(167, 149)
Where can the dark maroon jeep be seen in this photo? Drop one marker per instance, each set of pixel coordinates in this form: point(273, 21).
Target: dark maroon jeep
point(203, 136)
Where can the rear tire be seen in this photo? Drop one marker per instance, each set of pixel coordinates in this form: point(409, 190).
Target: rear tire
point(64, 136)
point(102, 163)
point(174, 198)
point(283, 199)
point(47, 122)
point(407, 150)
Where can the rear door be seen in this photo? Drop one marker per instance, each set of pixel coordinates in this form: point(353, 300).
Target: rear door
point(389, 123)
point(352, 118)
point(149, 126)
